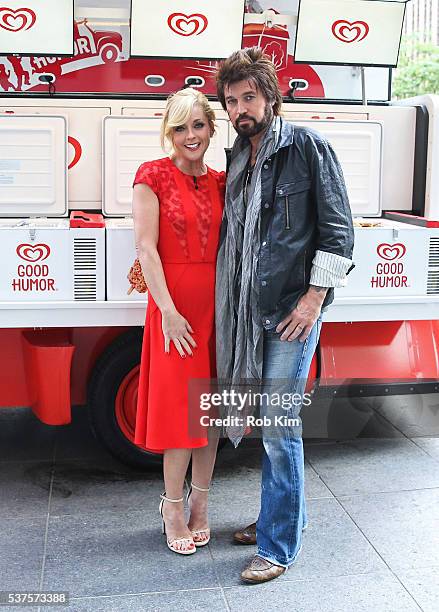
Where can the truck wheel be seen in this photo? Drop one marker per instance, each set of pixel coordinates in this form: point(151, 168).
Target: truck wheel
point(112, 400)
point(109, 53)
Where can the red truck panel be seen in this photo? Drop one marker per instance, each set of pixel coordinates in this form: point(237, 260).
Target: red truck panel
point(386, 350)
point(37, 368)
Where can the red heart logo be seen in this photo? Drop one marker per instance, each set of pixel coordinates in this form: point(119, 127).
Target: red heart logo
point(187, 25)
point(77, 151)
point(14, 21)
point(391, 251)
point(33, 253)
point(350, 32)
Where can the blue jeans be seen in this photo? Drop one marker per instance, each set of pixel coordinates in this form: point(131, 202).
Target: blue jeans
point(283, 512)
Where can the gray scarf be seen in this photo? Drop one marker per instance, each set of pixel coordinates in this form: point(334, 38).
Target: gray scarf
point(239, 332)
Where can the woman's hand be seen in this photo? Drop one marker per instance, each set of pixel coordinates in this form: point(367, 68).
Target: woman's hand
point(177, 329)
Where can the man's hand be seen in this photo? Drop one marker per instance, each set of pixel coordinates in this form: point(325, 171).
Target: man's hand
point(300, 321)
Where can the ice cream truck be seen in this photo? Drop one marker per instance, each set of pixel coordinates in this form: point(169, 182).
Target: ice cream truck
point(70, 334)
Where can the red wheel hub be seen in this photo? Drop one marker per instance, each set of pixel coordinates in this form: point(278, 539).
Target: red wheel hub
point(126, 403)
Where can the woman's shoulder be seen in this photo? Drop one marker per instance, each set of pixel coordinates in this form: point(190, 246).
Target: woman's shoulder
point(153, 164)
point(219, 176)
point(149, 172)
point(217, 173)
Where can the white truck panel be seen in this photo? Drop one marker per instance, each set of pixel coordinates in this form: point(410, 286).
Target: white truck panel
point(132, 313)
point(432, 179)
point(398, 154)
point(84, 149)
point(33, 178)
point(358, 145)
point(130, 141)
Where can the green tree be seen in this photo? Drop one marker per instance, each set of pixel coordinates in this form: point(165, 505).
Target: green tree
point(418, 69)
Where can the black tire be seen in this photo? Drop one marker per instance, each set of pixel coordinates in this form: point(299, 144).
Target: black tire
point(110, 370)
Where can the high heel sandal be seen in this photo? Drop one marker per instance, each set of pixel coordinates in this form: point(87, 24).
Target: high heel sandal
point(187, 551)
point(199, 532)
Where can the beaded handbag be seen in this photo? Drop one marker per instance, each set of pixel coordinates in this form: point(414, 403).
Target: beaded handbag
point(136, 279)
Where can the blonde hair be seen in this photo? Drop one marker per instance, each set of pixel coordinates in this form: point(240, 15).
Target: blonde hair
point(178, 110)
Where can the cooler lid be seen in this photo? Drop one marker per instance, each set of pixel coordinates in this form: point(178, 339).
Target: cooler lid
point(121, 223)
point(42, 223)
point(130, 141)
point(33, 166)
point(358, 145)
point(79, 218)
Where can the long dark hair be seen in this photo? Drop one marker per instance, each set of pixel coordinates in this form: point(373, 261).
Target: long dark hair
point(253, 65)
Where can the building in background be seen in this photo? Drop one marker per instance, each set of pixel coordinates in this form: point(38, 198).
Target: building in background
point(422, 18)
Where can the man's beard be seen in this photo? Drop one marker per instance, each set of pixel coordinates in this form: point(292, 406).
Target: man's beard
point(255, 127)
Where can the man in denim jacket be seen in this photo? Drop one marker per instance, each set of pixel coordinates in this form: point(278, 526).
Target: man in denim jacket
point(286, 242)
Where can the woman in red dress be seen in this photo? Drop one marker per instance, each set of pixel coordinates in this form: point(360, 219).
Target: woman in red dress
point(177, 210)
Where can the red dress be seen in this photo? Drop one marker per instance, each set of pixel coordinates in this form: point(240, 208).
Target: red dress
point(189, 223)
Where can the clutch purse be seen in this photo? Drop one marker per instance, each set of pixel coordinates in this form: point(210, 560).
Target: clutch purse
point(136, 279)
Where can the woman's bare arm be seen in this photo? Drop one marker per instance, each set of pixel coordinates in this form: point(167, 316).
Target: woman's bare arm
point(146, 232)
point(146, 214)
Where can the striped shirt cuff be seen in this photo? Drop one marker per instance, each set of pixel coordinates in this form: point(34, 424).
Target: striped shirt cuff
point(329, 270)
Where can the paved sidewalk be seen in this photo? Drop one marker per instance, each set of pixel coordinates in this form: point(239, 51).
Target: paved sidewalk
point(74, 519)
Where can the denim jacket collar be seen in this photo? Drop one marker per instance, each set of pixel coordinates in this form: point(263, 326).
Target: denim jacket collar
point(285, 133)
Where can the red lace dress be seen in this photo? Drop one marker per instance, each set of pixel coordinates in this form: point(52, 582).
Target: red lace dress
point(190, 218)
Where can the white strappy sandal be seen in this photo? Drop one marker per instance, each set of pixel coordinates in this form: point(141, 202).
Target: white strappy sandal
point(199, 533)
point(186, 551)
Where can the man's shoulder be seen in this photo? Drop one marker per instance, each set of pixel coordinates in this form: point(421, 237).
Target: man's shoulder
point(305, 133)
point(308, 140)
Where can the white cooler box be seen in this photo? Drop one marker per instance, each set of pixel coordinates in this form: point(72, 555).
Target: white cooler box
point(393, 259)
point(121, 254)
point(46, 260)
point(43, 258)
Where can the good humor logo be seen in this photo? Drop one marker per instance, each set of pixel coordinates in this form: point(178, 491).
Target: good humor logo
point(390, 272)
point(15, 21)
point(187, 25)
point(33, 275)
point(349, 32)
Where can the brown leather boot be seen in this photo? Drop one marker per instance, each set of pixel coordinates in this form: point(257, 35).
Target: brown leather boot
point(261, 570)
point(246, 535)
